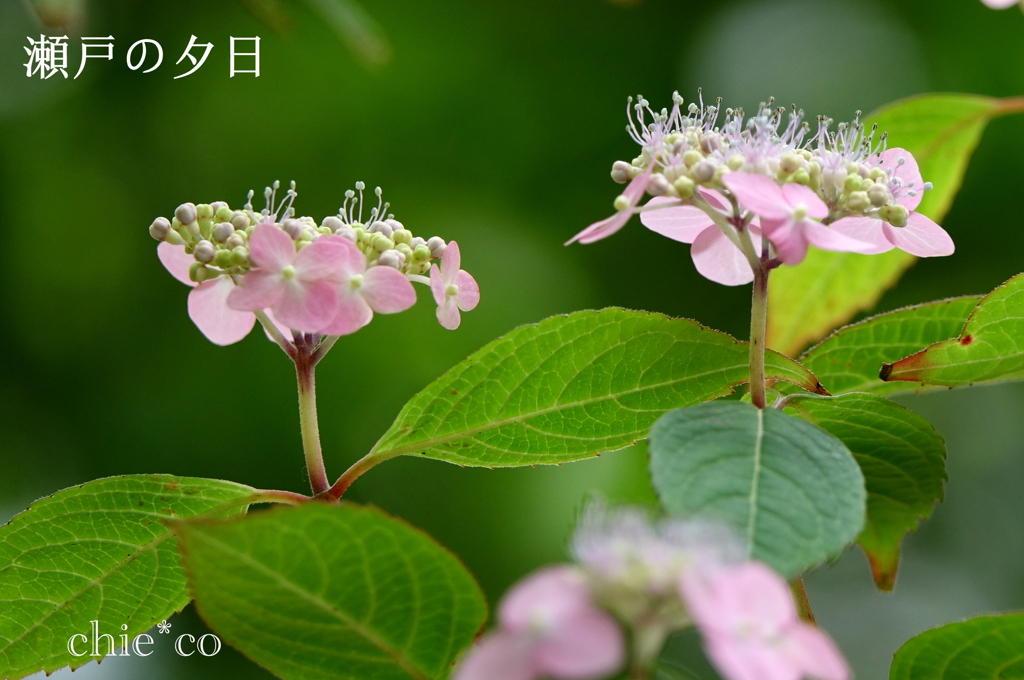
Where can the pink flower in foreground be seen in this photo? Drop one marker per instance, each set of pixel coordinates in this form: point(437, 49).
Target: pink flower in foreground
point(207, 302)
point(453, 288)
point(291, 283)
point(919, 236)
point(751, 629)
point(362, 291)
point(1000, 4)
point(788, 216)
point(714, 255)
point(548, 628)
point(624, 205)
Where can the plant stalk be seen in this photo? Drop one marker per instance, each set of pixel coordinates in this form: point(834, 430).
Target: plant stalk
point(758, 332)
point(803, 604)
point(306, 374)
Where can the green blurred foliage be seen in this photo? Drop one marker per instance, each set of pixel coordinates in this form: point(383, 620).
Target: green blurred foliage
point(494, 124)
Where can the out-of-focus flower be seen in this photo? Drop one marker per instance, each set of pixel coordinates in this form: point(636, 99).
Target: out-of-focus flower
point(750, 626)
point(1001, 4)
point(548, 627)
point(453, 288)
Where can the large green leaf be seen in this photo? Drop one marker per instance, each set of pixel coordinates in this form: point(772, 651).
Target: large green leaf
point(827, 289)
point(792, 490)
point(983, 648)
point(572, 387)
point(990, 347)
point(850, 358)
point(99, 552)
point(332, 592)
point(903, 460)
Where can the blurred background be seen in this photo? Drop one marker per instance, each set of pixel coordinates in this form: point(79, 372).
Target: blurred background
point(496, 124)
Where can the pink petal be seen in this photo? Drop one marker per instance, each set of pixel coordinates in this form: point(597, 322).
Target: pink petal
point(605, 228)
point(499, 656)
point(788, 238)
point(920, 237)
point(353, 313)
point(798, 194)
point(307, 307)
point(731, 598)
point(718, 259)
point(716, 200)
point(208, 309)
point(681, 223)
point(387, 291)
point(553, 595)
point(813, 652)
point(1000, 4)
point(351, 260)
point(451, 262)
point(176, 261)
point(258, 290)
point(823, 237)
point(285, 331)
point(448, 315)
point(749, 660)
point(867, 230)
point(469, 291)
point(588, 646)
point(438, 286)
point(271, 248)
point(908, 172)
point(758, 194)
point(320, 259)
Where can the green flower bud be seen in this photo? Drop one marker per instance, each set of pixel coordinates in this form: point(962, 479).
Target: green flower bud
point(852, 183)
point(898, 215)
point(401, 236)
point(239, 219)
point(160, 228)
point(735, 161)
point(684, 186)
point(204, 210)
point(380, 243)
point(858, 201)
point(877, 174)
point(224, 258)
point(405, 250)
point(205, 251)
point(692, 157)
point(241, 256)
point(791, 162)
point(224, 214)
point(421, 253)
point(185, 213)
point(235, 240)
point(879, 195)
point(801, 176)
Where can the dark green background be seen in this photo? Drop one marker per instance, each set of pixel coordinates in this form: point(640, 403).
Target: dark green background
point(495, 123)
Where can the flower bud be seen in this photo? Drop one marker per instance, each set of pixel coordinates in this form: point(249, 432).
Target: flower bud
point(658, 186)
point(394, 224)
point(736, 161)
point(404, 249)
point(852, 183)
point(421, 253)
point(235, 240)
point(684, 186)
point(710, 142)
point(416, 242)
point(705, 170)
point(436, 245)
point(204, 211)
point(160, 228)
point(391, 258)
point(348, 233)
point(223, 230)
point(898, 215)
point(380, 242)
point(402, 236)
point(293, 228)
point(186, 213)
point(333, 223)
point(801, 176)
point(223, 212)
point(379, 227)
point(879, 195)
point(622, 172)
point(692, 157)
point(858, 201)
point(239, 219)
point(205, 252)
point(241, 255)
point(224, 258)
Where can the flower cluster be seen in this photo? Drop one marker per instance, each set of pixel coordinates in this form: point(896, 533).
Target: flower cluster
point(724, 187)
point(325, 279)
point(566, 622)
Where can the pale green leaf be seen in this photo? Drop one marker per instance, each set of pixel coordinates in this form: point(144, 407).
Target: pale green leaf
point(572, 387)
point(99, 551)
point(790, 489)
point(983, 648)
point(331, 592)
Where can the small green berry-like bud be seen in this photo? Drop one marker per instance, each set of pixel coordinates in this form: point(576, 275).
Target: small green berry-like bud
point(801, 176)
point(879, 195)
point(380, 243)
point(401, 236)
point(205, 227)
point(160, 228)
point(205, 252)
point(692, 157)
point(735, 161)
point(898, 215)
point(235, 240)
point(620, 203)
point(204, 210)
point(174, 238)
point(222, 231)
point(186, 213)
point(684, 186)
point(224, 258)
point(790, 163)
point(421, 253)
point(404, 249)
point(852, 182)
point(224, 213)
point(241, 255)
point(858, 201)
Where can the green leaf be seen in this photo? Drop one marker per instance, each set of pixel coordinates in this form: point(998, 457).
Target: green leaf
point(982, 648)
point(100, 552)
point(792, 490)
point(572, 387)
point(327, 591)
point(990, 348)
point(903, 460)
point(850, 358)
point(827, 289)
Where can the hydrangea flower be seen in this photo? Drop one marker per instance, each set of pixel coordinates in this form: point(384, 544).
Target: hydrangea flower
point(324, 279)
point(837, 190)
point(548, 627)
point(750, 626)
point(453, 288)
point(1001, 4)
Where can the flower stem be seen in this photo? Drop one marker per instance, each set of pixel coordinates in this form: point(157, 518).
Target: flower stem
point(352, 474)
point(305, 372)
point(803, 605)
point(758, 330)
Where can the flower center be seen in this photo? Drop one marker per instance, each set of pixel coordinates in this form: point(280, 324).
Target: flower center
point(288, 272)
point(355, 282)
point(451, 290)
point(799, 211)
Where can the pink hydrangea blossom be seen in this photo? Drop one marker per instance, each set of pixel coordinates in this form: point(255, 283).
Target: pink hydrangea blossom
point(547, 628)
point(788, 216)
point(293, 284)
point(207, 302)
point(751, 629)
point(714, 255)
point(360, 291)
point(920, 236)
point(625, 205)
point(453, 288)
